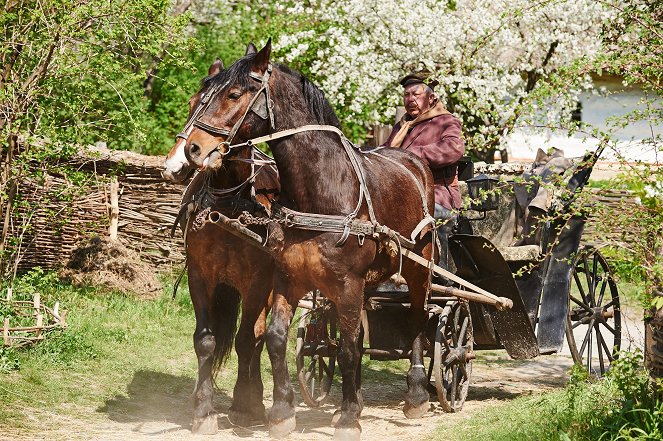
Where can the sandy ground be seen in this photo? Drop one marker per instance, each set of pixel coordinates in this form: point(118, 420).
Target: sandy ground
point(151, 411)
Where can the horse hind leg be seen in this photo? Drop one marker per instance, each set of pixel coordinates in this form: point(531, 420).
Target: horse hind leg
point(282, 414)
point(247, 406)
point(349, 307)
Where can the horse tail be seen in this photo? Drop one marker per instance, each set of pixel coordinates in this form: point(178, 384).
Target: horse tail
point(225, 313)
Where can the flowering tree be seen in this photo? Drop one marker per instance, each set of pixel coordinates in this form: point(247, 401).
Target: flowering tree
point(489, 55)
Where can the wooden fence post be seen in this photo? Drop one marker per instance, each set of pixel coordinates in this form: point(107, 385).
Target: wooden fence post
point(5, 332)
point(114, 209)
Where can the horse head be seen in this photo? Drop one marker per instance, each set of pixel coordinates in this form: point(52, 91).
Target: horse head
point(232, 106)
point(177, 166)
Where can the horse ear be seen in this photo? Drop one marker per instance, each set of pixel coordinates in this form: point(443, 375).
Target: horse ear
point(250, 49)
point(261, 61)
point(215, 68)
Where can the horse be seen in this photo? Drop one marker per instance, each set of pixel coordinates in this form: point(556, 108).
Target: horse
point(218, 280)
point(320, 174)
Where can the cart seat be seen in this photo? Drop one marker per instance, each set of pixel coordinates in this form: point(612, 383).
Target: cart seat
point(523, 253)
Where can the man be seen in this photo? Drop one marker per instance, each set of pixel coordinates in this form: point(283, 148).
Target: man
point(429, 131)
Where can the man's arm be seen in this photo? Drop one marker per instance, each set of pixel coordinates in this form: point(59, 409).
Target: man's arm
point(444, 142)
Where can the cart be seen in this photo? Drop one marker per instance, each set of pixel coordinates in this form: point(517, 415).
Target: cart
point(559, 290)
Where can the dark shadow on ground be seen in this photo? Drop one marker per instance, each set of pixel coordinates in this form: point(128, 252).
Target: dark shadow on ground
point(156, 396)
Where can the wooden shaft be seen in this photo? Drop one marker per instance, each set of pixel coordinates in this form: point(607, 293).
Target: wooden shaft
point(500, 303)
point(444, 273)
point(233, 226)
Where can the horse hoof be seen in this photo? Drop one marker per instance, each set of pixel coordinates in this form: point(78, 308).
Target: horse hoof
point(205, 426)
point(282, 428)
point(347, 434)
point(245, 419)
point(413, 412)
point(336, 417)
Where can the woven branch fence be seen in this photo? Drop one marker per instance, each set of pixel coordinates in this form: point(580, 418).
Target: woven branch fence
point(146, 209)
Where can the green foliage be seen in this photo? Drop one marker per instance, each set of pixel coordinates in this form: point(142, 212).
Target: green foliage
point(64, 348)
point(8, 360)
point(621, 406)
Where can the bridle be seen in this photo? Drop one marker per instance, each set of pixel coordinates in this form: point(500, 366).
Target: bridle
point(261, 104)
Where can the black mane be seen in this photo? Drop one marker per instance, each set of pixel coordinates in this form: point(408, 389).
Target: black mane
point(238, 73)
point(315, 98)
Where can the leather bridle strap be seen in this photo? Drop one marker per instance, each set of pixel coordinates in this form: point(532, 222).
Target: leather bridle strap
point(206, 99)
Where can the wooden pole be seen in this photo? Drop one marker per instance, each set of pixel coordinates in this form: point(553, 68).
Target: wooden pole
point(499, 302)
point(5, 332)
point(114, 209)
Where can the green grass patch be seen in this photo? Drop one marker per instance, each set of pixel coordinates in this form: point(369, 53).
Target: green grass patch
point(622, 406)
point(110, 339)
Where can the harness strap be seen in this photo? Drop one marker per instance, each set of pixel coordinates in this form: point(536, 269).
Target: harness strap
point(332, 224)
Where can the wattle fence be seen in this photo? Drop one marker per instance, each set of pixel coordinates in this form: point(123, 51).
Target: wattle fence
point(147, 207)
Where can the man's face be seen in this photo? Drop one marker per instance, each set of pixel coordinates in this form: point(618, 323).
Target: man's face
point(416, 99)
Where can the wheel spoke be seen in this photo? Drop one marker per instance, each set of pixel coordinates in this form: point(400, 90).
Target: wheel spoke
point(580, 288)
point(610, 328)
point(595, 262)
point(613, 302)
point(607, 350)
point(590, 284)
point(463, 331)
point(454, 385)
point(588, 335)
point(599, 345)
point(604, 283)
point(589, 349)
point(454, 327)
point(584, 306)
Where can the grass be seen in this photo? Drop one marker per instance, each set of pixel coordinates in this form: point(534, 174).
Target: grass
point(110, 339)
point(622, 406)
point(127, 359)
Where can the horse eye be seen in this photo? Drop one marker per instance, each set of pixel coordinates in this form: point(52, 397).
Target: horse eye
point(234, 95)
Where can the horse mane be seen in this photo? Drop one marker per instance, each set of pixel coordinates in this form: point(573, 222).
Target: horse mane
point(315, 98)
point(238, 73)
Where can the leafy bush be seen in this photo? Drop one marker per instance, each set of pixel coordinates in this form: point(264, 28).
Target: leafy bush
point(8, 360)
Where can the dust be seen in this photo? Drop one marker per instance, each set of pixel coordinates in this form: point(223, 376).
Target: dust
point(100, 261)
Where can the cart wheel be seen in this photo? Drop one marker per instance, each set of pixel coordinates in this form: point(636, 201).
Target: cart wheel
point(453, 356)
point(593, 326)
point(315, 353)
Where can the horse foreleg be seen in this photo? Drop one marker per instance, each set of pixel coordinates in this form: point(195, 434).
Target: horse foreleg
point(417, 396)
point(204, 417)
point(204, 344)
point(282, 413)
point(349, 308)
point(247, 406)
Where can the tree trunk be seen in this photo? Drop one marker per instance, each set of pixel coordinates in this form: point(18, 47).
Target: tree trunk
point(9, 185)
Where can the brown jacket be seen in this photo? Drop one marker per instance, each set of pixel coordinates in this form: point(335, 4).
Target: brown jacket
point(439, 142)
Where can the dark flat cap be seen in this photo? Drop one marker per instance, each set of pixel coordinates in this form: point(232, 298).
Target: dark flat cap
point(419, 77)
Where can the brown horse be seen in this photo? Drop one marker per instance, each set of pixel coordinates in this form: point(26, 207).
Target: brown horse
point(221, 272)
point(320, 175)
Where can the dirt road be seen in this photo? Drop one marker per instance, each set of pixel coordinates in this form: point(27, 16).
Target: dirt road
point(157, 406)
